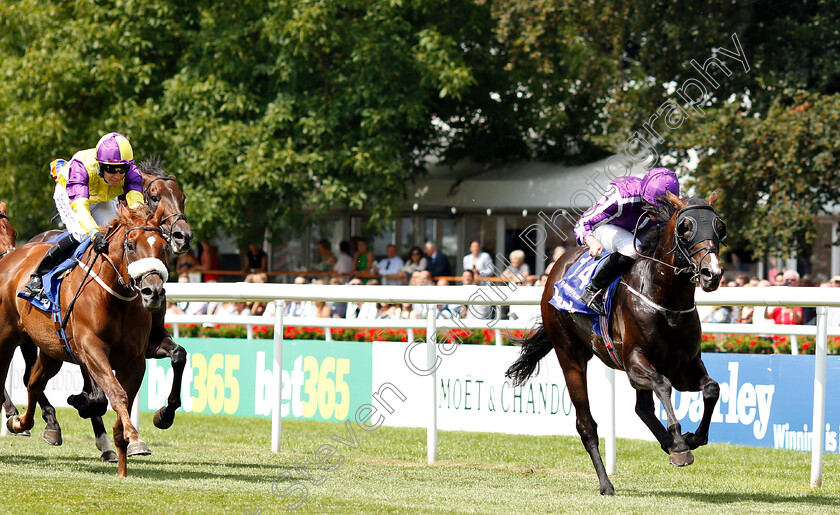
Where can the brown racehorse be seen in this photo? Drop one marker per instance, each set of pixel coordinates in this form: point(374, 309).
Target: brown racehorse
point(159, 189)
point(654, 324)
point(108, 328)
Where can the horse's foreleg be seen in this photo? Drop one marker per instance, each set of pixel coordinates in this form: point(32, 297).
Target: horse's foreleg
point(643, 376)
point(52, 431)
point(694, 377)
point(161, 345)
point(645, 409)
point(575, 374)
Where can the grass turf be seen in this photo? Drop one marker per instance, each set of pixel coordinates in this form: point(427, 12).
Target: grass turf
point(217, 464)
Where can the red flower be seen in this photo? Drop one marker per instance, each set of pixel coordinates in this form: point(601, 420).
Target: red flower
point(753, 343)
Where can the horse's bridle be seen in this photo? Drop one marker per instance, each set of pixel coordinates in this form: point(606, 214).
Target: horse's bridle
point(708, 232)
point(177, 216)
point(133, 282)
point(2, 216)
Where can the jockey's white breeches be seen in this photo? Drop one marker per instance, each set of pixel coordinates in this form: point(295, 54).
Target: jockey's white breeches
point(616, 239)
point(102, 212)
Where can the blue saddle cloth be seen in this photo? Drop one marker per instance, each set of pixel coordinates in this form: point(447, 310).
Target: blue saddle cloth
point(567, 291)
point(52, 280)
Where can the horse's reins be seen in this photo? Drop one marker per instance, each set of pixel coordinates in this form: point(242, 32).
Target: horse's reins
point(692, 268)
point(89, 270)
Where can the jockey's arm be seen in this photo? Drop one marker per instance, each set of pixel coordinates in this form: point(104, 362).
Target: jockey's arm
point(133, 187)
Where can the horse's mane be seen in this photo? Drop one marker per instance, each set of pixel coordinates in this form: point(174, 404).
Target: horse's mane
point(153, 166)
point(138, 216)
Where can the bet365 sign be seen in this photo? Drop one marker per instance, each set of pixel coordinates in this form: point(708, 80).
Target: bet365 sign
point(236, 377)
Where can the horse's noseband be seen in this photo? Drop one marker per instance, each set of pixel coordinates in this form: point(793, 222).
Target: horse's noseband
point(136, 281)
point(702, 221)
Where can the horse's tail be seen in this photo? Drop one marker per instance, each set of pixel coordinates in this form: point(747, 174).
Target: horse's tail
point(534, 348)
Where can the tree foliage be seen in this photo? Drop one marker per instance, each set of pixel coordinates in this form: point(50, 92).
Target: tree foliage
point(271, 112)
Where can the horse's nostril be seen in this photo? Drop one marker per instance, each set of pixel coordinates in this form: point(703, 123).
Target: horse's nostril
point(146, 292)
point(705, 272)
point(178, 236)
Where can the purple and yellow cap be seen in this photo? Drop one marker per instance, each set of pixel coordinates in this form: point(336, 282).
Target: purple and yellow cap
point(114, 148)
point(657, 182)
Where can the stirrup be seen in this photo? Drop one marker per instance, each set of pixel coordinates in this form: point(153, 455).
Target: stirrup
point(594, 300)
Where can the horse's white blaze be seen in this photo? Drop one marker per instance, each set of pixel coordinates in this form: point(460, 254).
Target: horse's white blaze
point(151, 240)
point(146, 265)
point(714, 264)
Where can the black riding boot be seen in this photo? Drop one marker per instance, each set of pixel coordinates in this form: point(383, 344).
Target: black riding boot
point(48, 262)
point(608, 271)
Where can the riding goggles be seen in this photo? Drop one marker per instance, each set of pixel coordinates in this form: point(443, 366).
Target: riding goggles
point(114, 168)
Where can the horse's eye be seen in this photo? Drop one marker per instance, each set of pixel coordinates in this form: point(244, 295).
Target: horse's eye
point(154, 198)
point(685, 230)
point(129, 245)
point(720, 229)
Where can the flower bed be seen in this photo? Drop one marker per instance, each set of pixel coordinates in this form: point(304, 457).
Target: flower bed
point(749, 344)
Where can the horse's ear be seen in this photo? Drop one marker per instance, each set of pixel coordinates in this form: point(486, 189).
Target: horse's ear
point(123, 211)
point(2, 207)
point(676, 201)
point(712, 200)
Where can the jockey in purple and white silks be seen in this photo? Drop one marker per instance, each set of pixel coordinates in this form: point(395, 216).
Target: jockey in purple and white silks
point(609, 225)
point(86, 194)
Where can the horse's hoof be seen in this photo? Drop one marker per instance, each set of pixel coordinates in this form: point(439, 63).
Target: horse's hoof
point(13, 422)
point(138, 448)
point(608, 489)
point(109, 456)
point(52, 436)
point(682, 459)
point(22, 433)
point(160, 422)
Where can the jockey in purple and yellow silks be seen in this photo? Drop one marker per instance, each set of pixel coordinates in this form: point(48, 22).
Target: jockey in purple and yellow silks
point(86, 194)
point(609, 225)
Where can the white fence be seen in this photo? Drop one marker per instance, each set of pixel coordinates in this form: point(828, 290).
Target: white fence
point(822, 298)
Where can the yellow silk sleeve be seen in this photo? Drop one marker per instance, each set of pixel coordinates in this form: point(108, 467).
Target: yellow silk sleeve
point(133, 199)
point(81, 206)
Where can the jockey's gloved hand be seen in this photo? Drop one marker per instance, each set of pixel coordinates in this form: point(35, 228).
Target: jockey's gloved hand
point(100, 244)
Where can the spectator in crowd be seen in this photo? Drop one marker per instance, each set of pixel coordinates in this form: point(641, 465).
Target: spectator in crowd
point(360, 310)
point(405, 312)
point(543, 280)
point(188, 264)
point(227, 308)
point(390, 265)
point(415, 262)
point(387, 311)
point(339, 309)
point(321, 309)
point(344, 263)
point(328, 259)
point(472, 311)
point(191, 307)
point(558, 253)
point(779, 279)
point(742, 280)
point(783, 315)
point(479, 262)
point(518, 270)
point(446, 310)
point(256, 308)
point(363, 260)
point(256, 260)
point(209, 262)
point(438, 263)
point(719, 315)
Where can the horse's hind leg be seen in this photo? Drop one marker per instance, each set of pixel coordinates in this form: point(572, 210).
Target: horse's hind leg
point(43, 370)
point(52, 431)
point(693, 377)
point(643, 376)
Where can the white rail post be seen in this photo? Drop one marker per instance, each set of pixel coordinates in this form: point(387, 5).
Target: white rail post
point(176, 330)
point(609, 433)
point(276, 418)
point(431, 358)
point(818, 428)
point(250, 331)
point(4, 431)
point(498, 334)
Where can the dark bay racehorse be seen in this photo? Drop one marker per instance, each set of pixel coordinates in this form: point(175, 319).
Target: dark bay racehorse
point(654, 324)
point(160, 190)
point(109, 327)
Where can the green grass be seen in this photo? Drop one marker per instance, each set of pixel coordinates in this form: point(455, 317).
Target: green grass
point(207, 464)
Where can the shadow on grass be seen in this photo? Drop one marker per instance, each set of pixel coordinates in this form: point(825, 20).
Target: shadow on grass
point(738, 497)
point(149, 468)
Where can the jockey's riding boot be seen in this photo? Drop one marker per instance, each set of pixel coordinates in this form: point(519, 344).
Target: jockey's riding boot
point(609, 269)
point(48, 262)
